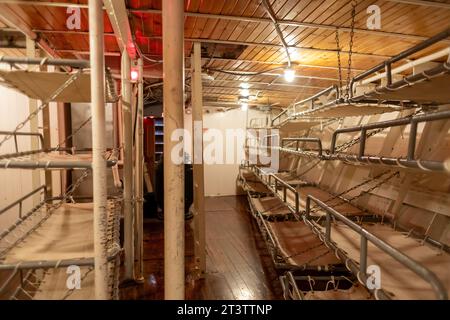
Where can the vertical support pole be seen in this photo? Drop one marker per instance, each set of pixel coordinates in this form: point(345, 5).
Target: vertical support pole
point(198, 168)
point(47, 140)
point(98, 146)
point(173, 65)
point(127, 167)
point(139, 179)
point(64, 130)
point(363, 256)
point(34, 124)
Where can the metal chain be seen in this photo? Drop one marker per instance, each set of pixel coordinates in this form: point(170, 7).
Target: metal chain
point(350, 50)
point(338, 52)
point(73, 133)
point(380, 183)
point(352, 142)
point(55, 94)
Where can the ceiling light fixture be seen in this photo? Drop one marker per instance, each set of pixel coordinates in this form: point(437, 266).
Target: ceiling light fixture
point(245, 92)
point(289, 74)
point(244, 85)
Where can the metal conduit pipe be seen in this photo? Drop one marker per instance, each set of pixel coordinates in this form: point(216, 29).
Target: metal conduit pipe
point(273, 17)
point(74, 63)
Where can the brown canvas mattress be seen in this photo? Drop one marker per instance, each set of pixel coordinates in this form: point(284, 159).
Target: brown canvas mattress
point(300, 246)
point(397, 279)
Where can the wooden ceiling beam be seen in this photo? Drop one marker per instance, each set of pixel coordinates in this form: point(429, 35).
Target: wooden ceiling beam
point(118, 16)
point(291, 23)
point(227, 42)
point(13, 20)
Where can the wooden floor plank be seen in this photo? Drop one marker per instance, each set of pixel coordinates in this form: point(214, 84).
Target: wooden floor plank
point(237, 261)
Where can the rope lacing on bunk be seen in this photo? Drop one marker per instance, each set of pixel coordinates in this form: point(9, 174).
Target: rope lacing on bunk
point(50, 210)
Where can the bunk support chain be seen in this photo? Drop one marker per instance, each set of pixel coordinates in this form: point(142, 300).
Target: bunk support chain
point(366, 236)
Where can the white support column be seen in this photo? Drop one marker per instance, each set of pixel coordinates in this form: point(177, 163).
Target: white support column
point(173, 50)
point(34, 123)
point(198, 172)
point(128, 167)
point(98, 146)
point(139, 180)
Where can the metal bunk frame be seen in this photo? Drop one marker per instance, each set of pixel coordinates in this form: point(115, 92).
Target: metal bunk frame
point(289, 273)
point(371, 97)
point(18, 267)
point(409, 162)
point(48, 205)
point(386, 66)
point(359, 268)
point(18, 159)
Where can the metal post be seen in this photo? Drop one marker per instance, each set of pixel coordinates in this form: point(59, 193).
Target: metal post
point(362, 142)
point(127, 167)
point(198, 169)
point(98, 147)
point(363, 256)
point(34, 122)
point(328, 227)
point(173, 65)
point(412, 140)
point(139, 180)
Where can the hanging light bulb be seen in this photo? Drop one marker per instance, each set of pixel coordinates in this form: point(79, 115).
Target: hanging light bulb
point(289, 74)
point(244, 85)
point(245, 92)
point(244, 106)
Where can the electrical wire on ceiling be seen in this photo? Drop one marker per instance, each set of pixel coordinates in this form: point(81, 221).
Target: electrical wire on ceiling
point(273, 17)
point(243, 73)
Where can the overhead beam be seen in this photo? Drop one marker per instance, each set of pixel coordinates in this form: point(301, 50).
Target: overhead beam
point(275, 84)
point(251, 89)
point(291, 23)
point(229, 42)
point(118, 16)
point(423, 3)
point(11, 19)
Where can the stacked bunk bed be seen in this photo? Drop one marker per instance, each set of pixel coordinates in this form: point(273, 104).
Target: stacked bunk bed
point(332, 241)
point(44, 245)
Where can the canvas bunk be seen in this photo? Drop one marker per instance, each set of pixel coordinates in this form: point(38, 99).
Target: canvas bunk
point(298, 252)
point(316, 215)
point(372, 92)
point(58, 232)
point(292, 145)
point(428, 86)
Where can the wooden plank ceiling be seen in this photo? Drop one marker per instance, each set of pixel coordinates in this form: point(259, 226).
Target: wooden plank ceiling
point(317, 69)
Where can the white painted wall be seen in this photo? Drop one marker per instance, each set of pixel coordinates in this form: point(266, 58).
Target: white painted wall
point(220, 178)
point(14, 183)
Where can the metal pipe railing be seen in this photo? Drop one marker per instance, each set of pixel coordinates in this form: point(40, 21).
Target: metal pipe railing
point(20, 200)
point(413, 121)
point(74, 63)
point(285, 186)
point(304, 139)
point(387, 65)
point(365, 237)
point(16, 133)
